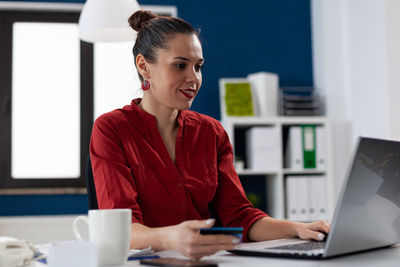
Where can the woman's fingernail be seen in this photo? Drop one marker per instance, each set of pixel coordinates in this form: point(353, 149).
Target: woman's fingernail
point(210, 221)
point(321, 237)
point(236, 241)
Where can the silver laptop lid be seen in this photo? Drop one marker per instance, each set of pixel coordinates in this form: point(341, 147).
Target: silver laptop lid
point(367, 214)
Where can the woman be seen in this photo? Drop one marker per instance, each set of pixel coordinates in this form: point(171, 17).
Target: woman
point(171, 166)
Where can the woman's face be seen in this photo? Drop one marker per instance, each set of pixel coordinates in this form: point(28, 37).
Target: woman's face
point(175, 77)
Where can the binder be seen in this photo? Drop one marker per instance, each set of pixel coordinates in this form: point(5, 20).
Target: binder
point(303, 198)
point(292, 212)
point(297, 198)
point(262, 145)
point(314, 197)
point(321, 147)
point(322, 205)
point(317, 198)
point(294, 150)
point(309, 144)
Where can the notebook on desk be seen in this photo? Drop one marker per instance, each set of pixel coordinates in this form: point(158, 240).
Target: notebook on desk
point(367, 214)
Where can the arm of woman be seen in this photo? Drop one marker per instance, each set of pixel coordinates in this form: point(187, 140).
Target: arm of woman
point(268, 228)
point(184, 238)
point(230, 202)
point(233, 207)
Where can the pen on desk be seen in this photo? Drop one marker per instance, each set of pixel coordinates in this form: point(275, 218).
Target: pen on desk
point(44, 260)
point(133, 258)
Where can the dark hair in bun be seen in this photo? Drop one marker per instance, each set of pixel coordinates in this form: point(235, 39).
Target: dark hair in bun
point(140, 17)
point(154, 32)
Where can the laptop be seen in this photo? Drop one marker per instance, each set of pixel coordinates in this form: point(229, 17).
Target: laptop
point(367, 214)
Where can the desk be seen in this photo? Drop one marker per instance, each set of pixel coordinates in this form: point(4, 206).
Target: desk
point(388, 257)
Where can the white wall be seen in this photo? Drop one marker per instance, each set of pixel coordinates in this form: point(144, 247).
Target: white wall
point(367, 61)
point(331, 75)
point(40, 229)
point(392, 16)
point(356, 59)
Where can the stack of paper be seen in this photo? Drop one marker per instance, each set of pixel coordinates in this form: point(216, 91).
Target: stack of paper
point(265, 88)
point(300, 101)
point(137, 254)
point(262, 144)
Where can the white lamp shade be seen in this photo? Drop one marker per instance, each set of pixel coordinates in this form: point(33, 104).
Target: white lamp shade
point(107, 20)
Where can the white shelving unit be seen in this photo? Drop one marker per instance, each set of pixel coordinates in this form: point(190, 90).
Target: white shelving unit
point(275, 180)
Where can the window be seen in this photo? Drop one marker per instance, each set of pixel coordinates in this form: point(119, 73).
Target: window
point(52, 87)
point(46, 99)
point(45, 140)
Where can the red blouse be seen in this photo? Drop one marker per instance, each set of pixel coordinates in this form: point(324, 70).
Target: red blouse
point(133, 169)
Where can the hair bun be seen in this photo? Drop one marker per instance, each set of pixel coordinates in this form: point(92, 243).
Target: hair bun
point(137, 19)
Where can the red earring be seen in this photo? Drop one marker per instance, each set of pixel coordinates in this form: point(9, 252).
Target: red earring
point(145, 85)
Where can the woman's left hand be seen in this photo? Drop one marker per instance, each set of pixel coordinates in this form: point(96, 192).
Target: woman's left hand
point(314, 230)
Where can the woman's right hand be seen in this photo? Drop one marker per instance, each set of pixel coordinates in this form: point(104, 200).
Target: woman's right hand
point(186, 239)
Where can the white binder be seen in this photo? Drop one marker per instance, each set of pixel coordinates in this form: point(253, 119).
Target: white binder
point(303, 197)
point(317, 198)
point(292, 211)
point(321, 148)
point(322, 205)
point(314, 195)
point(297, 198)
point(294, 149)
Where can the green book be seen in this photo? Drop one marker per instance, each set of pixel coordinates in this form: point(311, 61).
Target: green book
point(238, 99)
point(309, 143)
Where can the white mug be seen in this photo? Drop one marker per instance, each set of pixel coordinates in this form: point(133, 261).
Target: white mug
point(110, 230)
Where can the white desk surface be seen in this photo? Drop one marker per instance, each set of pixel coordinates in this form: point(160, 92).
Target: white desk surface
point(386, 257)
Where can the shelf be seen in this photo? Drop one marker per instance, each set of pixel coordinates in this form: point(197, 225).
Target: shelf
point(251, 120)
point(284, 172)
point(275, 182)
point(284, 120)
point(255, 172)
point(309, 171)
point(302, 120)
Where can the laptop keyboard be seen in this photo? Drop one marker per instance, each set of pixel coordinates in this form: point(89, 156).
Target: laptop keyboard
point(312, 245)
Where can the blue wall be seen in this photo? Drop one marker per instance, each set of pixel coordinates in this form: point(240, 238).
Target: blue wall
point(239, 37)
point(43, 204)
point(242, 37)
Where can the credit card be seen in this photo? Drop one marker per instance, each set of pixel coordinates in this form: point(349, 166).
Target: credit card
point(235, 231)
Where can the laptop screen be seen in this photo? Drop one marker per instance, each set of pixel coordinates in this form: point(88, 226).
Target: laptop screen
point(368, 211)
